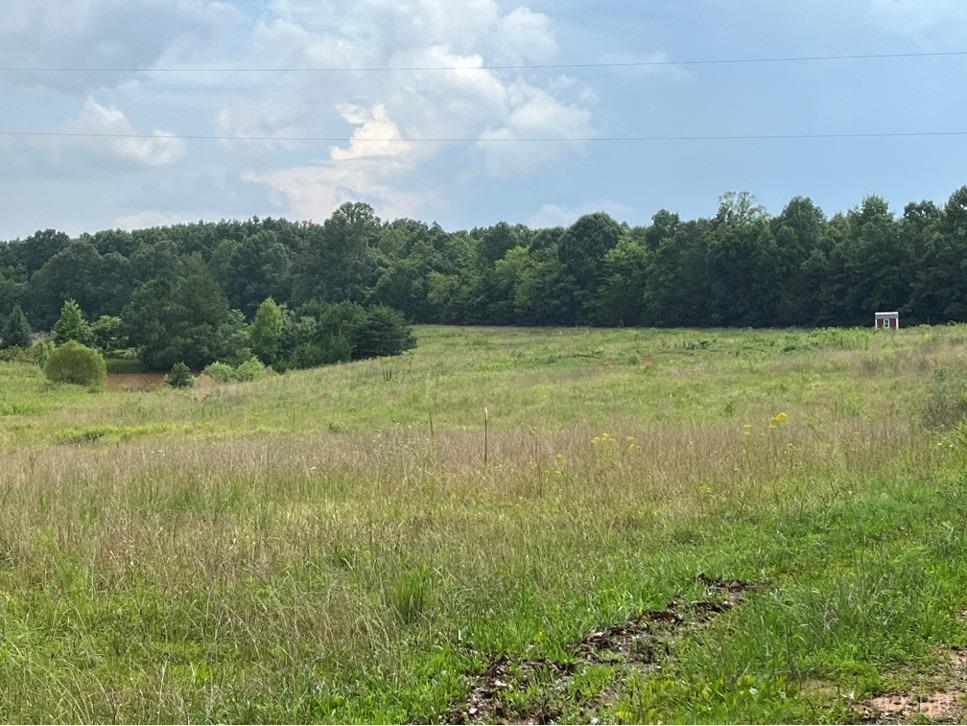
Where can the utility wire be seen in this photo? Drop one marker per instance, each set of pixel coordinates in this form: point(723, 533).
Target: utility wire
point(508, 67)
point(454, 140)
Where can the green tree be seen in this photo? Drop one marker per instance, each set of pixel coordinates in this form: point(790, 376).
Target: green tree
point(40, 247)
point(416, 262)
point(676, 286)
point(13, 286)
point(582, 253)
point(340, 262)
point(184, 319)
point(621, 299)
point(741, 264)
point(321, 333)
point(381, 331)
point(233, 338)
point(15, 332)
point(880, 256)
point(494, 242)
point(180, 376)
point(543, 290)
point(151, 261)
point(72, 325)
point(75, 363)
point(738, 268)
point(800, 232)
point(939, 241)
point(108, 333)
point(252, 269)
point(98, 283)
point(265, 333)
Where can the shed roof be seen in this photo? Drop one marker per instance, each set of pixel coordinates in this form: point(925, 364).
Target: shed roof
point(887, 315)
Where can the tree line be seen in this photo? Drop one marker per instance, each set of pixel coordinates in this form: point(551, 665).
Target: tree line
point(185, 292)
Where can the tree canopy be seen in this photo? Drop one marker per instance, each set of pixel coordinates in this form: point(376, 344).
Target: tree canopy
point(199, 292)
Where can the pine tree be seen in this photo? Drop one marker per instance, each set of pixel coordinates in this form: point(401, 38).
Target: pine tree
point(180, 376)
point(15, 332)
point(72, 325)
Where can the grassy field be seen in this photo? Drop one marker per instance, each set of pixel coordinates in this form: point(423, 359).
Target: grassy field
point(504, 524)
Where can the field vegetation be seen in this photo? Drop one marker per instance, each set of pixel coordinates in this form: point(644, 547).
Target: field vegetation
point(301, 294)
point(501, 524)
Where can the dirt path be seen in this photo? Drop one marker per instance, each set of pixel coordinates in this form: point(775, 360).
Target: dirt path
point(530, 691)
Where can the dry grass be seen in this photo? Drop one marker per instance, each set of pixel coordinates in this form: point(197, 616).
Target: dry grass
point(242, 561)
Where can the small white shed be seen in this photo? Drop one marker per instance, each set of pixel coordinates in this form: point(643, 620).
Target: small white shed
point(886, 321)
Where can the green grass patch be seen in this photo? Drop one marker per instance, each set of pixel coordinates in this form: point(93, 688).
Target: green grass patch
point(311, 548)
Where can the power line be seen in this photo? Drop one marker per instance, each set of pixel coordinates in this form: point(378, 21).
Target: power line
point(454, 140)
point(507, 67)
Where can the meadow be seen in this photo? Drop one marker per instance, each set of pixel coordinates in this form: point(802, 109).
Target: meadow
point(503, 524)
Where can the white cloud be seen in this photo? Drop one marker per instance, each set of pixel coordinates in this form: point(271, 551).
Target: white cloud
point(523, 35)
point(364, 171)
point(287, 43)
point(383, 109)
point(399, 33)
point(533, 113)
point(466, 101)
point(110, 33)
point(554, 215)
point(80, 157)
point(313, 192)
point(159, 150)
point(377, 135)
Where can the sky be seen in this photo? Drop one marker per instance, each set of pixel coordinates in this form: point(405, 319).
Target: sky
point(80, 184)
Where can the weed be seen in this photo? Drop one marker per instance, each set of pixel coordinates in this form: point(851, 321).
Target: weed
point(945, 404)
point(410, 593)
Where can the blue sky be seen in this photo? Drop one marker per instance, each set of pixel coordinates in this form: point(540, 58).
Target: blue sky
point(83, 184)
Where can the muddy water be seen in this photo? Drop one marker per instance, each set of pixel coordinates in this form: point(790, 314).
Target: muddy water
point(134, 381)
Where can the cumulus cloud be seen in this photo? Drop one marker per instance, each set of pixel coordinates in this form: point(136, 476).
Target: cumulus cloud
point(377, 135)
point(378, 111)
point(75, 157)
point(105, 33)
point(159, 150)
point(313, 192)
point(533, 113)
point(523, 35)
point(364, 171)
point(466, 101)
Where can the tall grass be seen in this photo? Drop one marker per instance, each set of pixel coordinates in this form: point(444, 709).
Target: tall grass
point(240, 559)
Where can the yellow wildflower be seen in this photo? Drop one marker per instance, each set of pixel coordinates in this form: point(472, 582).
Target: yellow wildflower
point(777, 420)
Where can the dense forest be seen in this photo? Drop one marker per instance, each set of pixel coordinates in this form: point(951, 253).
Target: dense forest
point(741, 267)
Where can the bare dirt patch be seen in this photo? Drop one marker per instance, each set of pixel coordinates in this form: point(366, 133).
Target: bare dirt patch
point(903, 707)
point(513, 690)
point(945, 705)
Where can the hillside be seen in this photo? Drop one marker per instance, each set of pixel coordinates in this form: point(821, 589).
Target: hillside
point(502, 524)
